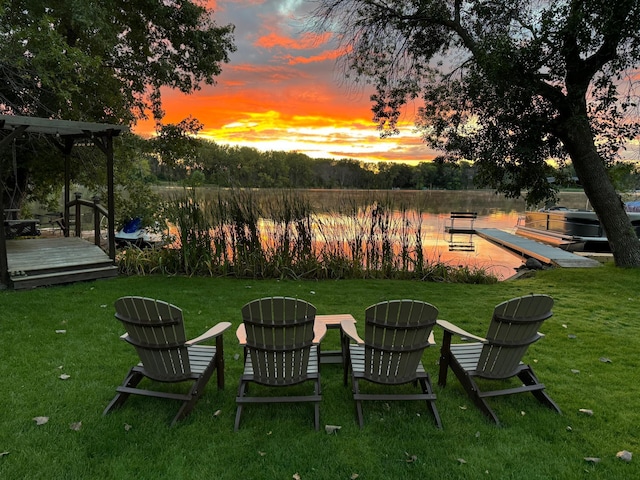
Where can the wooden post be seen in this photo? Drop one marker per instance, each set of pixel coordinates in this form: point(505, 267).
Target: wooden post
point(4, 264)
point(111, 204)
point(78, 195)
point(96, 220)
point(67, 184)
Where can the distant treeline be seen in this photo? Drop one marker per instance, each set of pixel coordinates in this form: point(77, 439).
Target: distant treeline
point(231, 166)
point(206, 162)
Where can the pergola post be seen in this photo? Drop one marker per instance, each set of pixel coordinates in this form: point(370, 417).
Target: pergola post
point(111, 203)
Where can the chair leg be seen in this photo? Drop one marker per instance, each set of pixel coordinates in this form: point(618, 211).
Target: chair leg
point(132, 379)
point(185, 409)
point(317, 406)
point(529, 378)
point(220, 362)
point(473, 391)
point(195, 393)
point(445, 359)
point(356, 391)
point(481, 403)
point(425, 384)
point(242, 388)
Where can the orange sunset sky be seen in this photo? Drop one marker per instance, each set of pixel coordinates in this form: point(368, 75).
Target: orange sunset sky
point(282, 90)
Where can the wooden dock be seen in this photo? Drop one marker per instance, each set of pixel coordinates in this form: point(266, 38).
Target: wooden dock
point(540, 251)
point(35, 262)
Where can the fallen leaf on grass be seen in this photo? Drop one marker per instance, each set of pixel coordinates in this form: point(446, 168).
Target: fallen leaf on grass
point(573, 370)
point(605, 360)
point(332, 428)
point(64, 376)
point(410, 458)
point(592, 459)
point(127, 427)
point(296, 476)
point(262, 454)
point(76, 426)
point(3, 454)
point(41, 420)
point(236, 356)
point(586, 411)
point(462, 407)
point(461, 461)
point(217, 412)
point(354, 476)
point(61, 331)
point(625, 455)
point(572, 336)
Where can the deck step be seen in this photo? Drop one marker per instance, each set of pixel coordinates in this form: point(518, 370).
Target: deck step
point(30, 281)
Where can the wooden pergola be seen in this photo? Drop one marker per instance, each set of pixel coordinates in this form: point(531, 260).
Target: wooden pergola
point(64, 134)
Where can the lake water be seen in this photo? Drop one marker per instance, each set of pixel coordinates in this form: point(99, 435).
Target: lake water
point(493, 211)
point(432, 210)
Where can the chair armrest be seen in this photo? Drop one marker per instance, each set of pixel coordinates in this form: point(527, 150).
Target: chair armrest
point(349, 329)
point(213, 332)
point(455, 330)
point(319, 331)
point(241, 334)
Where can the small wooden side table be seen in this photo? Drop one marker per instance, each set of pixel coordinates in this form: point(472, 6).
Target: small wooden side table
point(335, 322)
point(321, 325)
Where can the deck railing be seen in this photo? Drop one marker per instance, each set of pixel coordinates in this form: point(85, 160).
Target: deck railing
point(77, 204)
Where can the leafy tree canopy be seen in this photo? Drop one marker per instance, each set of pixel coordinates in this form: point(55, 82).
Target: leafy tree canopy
point(105, 61)
point(98, 61)
point(506, 84)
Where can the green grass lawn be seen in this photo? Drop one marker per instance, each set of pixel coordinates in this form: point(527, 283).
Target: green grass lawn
point(595, 319)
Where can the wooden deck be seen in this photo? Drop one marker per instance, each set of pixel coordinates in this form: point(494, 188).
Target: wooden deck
point(540, 251)
point(50, 261)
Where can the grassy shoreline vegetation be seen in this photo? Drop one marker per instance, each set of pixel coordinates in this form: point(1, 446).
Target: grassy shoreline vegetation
point(588, 360)
point(281, 234)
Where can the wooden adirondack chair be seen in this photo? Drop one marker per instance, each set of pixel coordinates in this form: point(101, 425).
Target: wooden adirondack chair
point(280, 351)
point(156, 330)
point(396, 334)
point(513, 328)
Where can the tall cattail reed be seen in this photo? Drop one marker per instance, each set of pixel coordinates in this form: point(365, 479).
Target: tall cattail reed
point(278, 234)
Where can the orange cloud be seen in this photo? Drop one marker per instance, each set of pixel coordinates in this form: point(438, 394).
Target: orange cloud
point(328, 55)
point(280, 92)
point(305, 42)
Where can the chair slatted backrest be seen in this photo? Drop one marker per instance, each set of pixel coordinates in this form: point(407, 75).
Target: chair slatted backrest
point(279, 339)
point(396, 334)
point(513, 328)
point(155, 328)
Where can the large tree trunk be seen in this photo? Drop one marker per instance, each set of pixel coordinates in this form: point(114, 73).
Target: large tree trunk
point(606, 202)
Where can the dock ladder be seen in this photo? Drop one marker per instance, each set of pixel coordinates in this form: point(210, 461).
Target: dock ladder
point(461, 237)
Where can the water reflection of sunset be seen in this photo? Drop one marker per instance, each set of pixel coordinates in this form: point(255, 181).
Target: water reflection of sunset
point(357, 236)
